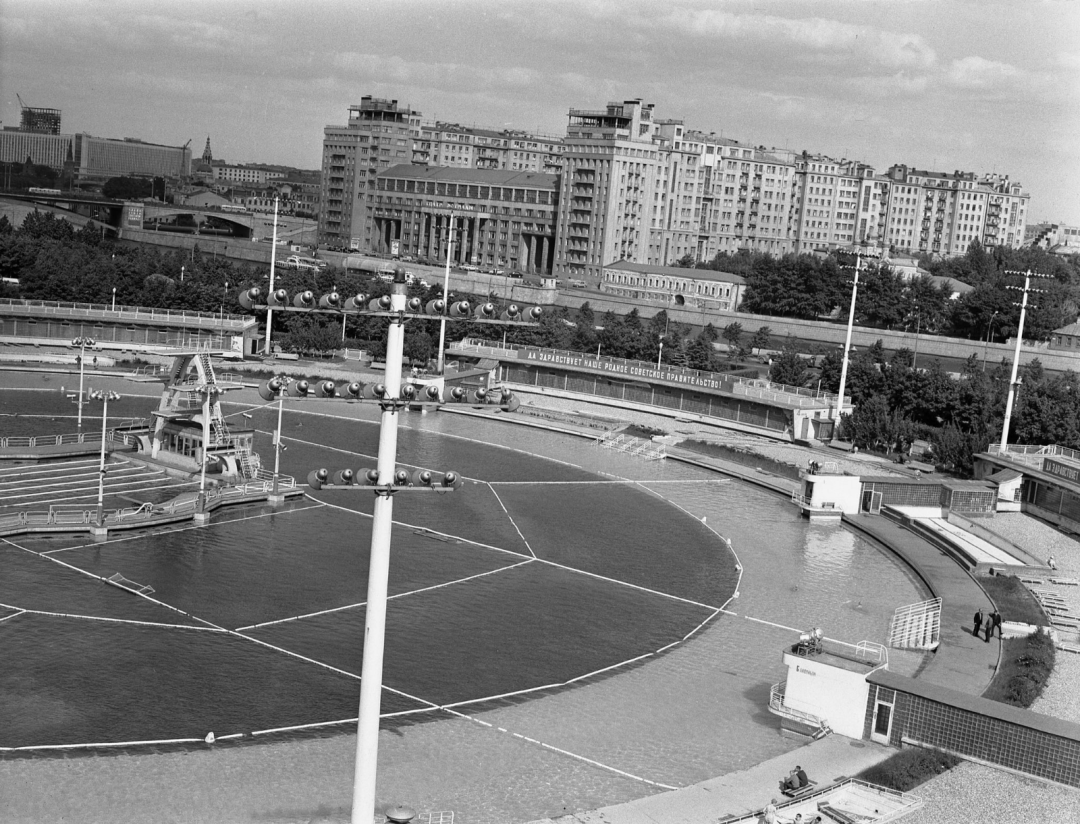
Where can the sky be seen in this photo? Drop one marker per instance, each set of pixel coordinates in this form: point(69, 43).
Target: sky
point(972, 85)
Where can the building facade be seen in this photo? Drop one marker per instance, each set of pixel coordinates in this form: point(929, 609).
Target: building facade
point(380, 134)
point(636, 188)
point(52, 150)
point(675, 286)
point(498, 220)
point(247, 175)
point(100, 158)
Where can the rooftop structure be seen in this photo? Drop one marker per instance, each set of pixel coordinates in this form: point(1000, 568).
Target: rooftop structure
point(40, 121)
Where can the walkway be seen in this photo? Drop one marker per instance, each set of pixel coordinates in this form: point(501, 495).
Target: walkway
point(826, 761)
point(962, 662)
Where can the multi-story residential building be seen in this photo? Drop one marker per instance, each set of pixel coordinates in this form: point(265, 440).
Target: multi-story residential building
point(612, 168)
point(379, 135)
point(498, 219)
point(467, 147)
point(833, 203)
point(942, 214)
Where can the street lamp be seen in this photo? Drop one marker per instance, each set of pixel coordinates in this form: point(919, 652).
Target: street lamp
point(103, 395)
point(224, 295)
point(114, 298)
point(989, 329)
point(660, 354)
point(82, 343)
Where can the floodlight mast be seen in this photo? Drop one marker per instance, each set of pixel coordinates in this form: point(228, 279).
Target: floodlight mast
point(367, 732)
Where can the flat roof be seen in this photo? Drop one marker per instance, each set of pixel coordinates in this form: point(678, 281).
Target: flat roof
point(676, 271)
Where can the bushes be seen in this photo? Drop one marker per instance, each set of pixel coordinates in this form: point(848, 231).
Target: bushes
point(909, 768)
point(1026, 664)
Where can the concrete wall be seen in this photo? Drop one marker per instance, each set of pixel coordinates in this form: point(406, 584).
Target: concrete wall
point(828, 334)
point(832, 693)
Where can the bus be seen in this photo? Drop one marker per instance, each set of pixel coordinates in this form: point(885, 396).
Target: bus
point(34, 190)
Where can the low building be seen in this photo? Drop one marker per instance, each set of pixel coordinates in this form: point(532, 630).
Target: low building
point(1067, 338)
point(674, 286)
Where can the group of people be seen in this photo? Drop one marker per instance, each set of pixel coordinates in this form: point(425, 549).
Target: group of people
point(796, 780)
point(772, 816)
point(992, 622)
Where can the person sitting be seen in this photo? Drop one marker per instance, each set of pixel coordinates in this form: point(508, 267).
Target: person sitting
point(804, 779)
point(791, 783)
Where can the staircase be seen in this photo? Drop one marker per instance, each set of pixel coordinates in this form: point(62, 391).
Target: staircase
point(916, 626)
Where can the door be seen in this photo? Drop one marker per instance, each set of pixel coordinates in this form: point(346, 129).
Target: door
point(881, 727)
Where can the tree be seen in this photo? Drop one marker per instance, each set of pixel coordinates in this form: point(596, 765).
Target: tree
point(789, 369)
point(733, 335)
point(699, 354)
point(127, 188)
point(761, 338)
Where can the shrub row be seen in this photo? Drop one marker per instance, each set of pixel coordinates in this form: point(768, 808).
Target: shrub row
point(1026, 664)
point(908, 768)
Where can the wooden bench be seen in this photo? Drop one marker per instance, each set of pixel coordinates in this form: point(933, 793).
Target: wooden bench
point(801, 791)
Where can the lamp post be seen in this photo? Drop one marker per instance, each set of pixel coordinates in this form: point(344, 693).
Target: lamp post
point(114, 298)
point(82, 343)
point(915, 354)
point(103, 395)
point(989, 330)
point(1028, 275)
point(660, 354)
point(224, 294)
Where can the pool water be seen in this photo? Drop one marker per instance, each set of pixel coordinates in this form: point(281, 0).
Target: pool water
point(560, 561)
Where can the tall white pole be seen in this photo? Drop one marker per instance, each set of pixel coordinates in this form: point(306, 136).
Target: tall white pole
point(277, 438)
point(367, 736)
point(847, 340)
point(205, 447)
point(445, 295)
point(101, 466)
point(82, 366)
point(1015, 366)
point(273, 264)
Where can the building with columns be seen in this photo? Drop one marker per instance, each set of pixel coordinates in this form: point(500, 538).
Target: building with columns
point(498, 220)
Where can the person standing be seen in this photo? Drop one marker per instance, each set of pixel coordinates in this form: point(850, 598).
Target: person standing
point(978, 622)
point(995, 622)
point(988, 628)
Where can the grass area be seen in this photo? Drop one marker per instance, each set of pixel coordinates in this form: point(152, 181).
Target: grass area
point(1013, 600)
point(742, 457)
point(641, 431)
point(1026, 664)
point(908, 768)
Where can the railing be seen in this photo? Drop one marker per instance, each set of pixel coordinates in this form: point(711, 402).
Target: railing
point(117, 435)
point(1047, 450)
point(630, 445)
point(803, 501)
point(778, 707)
point(71, 309)
point(747, 386)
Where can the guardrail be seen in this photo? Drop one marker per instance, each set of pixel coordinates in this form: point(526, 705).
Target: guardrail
point(1047, 450)
point(71, 309)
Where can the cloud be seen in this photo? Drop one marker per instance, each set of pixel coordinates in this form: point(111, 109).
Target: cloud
point(817, 34)
point(976, 72)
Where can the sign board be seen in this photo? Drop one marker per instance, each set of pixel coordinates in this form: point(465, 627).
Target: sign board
point(624, 369)
point(1061, 470)
point(395, 247)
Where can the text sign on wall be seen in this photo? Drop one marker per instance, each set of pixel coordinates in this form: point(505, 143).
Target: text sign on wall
point(1061, 470)
point(615, 368)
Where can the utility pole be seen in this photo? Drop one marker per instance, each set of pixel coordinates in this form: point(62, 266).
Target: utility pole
point(1028, 275)
point(847, 340)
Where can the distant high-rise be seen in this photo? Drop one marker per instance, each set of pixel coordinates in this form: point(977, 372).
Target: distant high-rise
point(40, 121)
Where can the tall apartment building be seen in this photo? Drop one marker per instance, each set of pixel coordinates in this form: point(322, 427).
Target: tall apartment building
point(941, 213)
point(380, 134)
point(467, 147)
point(834, 203)
point(612, 169)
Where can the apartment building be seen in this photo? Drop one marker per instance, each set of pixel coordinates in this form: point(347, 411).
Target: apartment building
point(379, 134)
point(246, 175)
point(467, 147)
point(833, 203)
point(612, 168)
point(943, 214)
